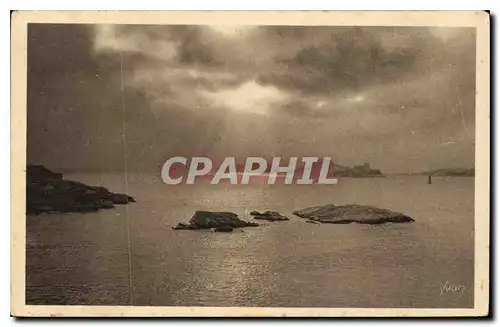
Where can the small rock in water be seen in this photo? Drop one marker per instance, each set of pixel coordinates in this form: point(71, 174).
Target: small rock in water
point(352, 213)
point(311, 222)
point(269, 215)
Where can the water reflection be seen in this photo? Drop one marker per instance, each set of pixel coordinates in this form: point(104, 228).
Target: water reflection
point(83, 259)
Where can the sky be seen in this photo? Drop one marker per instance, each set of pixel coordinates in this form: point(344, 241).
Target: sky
point(401, 98)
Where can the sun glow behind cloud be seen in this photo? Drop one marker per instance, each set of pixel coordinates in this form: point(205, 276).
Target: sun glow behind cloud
point(250, 97)
point(358, 98)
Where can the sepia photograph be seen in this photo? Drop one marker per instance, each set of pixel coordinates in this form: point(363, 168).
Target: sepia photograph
point(317, 163)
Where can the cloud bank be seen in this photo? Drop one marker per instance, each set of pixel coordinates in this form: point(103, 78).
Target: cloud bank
point(401, 98)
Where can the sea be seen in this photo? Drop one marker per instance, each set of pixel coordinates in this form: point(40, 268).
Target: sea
point(130, 255)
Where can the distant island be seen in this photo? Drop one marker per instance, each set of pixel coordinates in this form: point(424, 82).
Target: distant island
point(357, 171)
point(465, 172)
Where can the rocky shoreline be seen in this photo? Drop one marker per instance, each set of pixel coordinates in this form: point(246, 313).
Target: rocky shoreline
point(48, 192)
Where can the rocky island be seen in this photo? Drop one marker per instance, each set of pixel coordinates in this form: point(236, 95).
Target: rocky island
point(48, 192)
point(357, 171)
point(219, 221)
point(352, 213)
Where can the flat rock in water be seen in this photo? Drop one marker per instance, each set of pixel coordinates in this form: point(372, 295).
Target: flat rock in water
point(218, 220)
point(269, 215)
point(352, 213)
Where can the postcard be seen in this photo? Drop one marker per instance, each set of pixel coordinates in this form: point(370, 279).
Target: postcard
point(212, 164)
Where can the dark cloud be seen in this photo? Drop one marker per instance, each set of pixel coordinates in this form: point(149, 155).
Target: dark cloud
point(194, 45)
point(351, 58)
point(75, 112)
point(59, 49)
point(65, 86)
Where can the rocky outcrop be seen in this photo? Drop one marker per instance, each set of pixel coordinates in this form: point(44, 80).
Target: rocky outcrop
point(220, 221)
point(352, 213)
point(268, 215)
point(48, 192)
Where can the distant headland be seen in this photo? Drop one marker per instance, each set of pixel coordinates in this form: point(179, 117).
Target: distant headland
point(465, 172)
point(357, 171)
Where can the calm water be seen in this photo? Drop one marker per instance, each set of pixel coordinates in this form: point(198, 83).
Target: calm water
point(84, 258)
